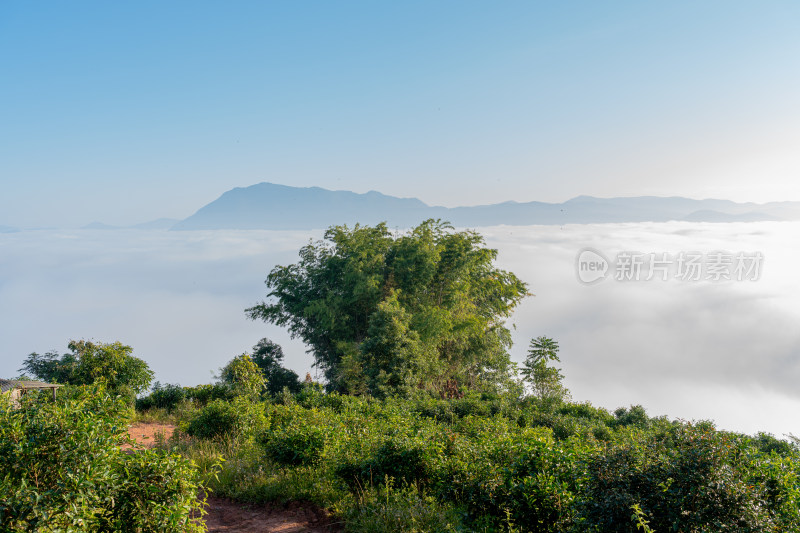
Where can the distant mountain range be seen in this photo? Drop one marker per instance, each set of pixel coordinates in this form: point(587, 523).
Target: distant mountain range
point(282, 207)
point(271, 206)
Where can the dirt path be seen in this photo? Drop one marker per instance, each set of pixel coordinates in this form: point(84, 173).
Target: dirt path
point(148, 434)
point(232, 517)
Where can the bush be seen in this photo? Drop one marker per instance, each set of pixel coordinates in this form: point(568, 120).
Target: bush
point(544, 481)
point(63, 470)
point(216, 419)
point(296, 444)
point(401, 458)
point(767, 443)
point(635, 416)
point(689, 478)
point(166, 397)
point(156, 492)
point(244, 377)
point(203, 394)
point(386, 468)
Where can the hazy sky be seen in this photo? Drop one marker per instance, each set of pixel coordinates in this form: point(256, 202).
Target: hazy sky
point(128, 111)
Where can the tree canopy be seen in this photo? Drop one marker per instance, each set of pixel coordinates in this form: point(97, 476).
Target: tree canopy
point(89, 362)
point(268, 355)
point(388, 313)
point(244, 377)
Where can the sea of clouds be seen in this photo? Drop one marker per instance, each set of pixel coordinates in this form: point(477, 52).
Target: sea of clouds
point(722, 350)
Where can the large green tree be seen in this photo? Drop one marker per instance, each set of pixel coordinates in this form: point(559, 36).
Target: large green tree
point(387, 313)
point(88, 362)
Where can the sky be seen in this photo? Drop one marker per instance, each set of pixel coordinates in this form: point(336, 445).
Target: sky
point(124, 112)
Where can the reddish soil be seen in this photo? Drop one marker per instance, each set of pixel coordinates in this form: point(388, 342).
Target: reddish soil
point(146, 434)
point(230, 517)
point(297, 517)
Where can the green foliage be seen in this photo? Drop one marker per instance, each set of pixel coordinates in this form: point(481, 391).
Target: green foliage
point(545, 381)
point(62, 470)
point(634, 416)
point(226, 419)
point(388, 314)
point(767, 443)
point(201, 395)
point(640, 519)
point(108, 363)
point(269, 358)
point(244, 377)
point(400, 457)
point(167, 397)
point(393, 357)
point(217, 419)
point(295, 444)
point(395, 464)
point(51, 367)
point(155, 492)
point(689, 478)
point(388, 508)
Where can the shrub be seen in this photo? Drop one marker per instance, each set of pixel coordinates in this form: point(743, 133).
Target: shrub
point(400, 458)
point(544, 480)
point(766, 442)
point(688, 478)
point(296, 444)
point(203, 394)
point(216, 419)
point(63, 469)
point(635, 416)
point(166, 397)
point(156, 492)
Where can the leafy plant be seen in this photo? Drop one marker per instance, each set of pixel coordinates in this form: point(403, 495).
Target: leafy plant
point(295, 444)
point(244, 377)
point(217, 419)
point(167, 397)
point(545, 380)
point(63, 470)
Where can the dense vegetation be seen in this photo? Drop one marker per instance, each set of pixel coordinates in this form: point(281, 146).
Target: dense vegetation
point(86, 363)
point(62, 469)
point(493, 463)
point(389, 314)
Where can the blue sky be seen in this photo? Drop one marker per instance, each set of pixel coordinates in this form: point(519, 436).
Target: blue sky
point(126, 112)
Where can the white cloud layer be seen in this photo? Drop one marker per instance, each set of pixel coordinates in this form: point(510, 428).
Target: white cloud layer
point(694, 350)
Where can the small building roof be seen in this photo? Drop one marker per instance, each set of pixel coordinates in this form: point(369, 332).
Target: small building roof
point(10, 384)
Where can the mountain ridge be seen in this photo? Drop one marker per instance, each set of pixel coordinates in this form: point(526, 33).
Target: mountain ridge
point(272, 206)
